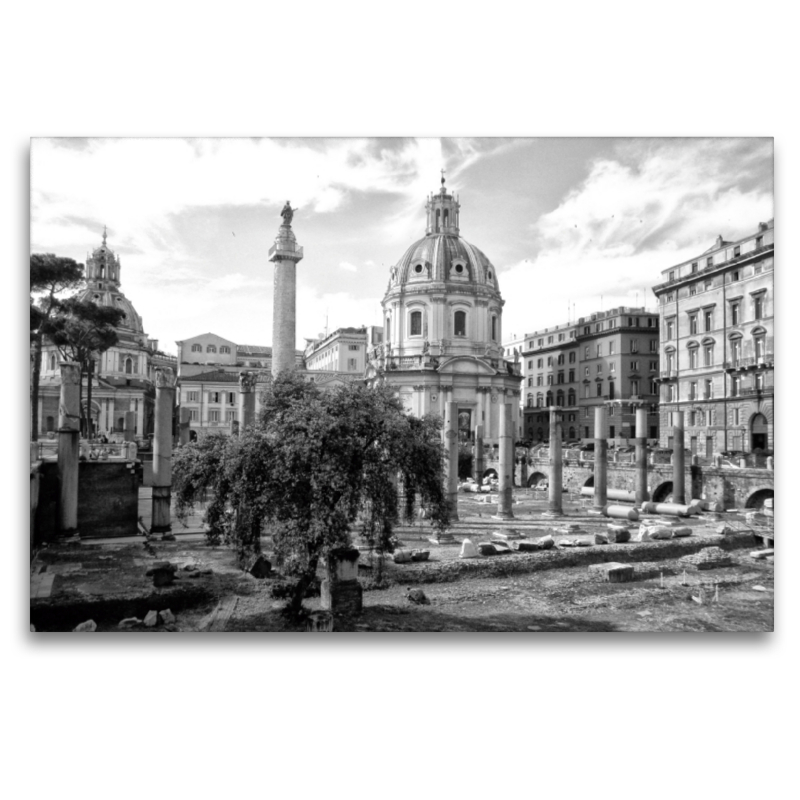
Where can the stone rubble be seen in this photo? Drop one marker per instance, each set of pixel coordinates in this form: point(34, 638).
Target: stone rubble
point(708, 558)
point(151, 619)
point(90, 626)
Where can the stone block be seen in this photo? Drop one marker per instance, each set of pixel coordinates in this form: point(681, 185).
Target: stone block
point(341, 597)
point(129, 622)
point(402, 556)
point(259, 567)
point(762, 554)
point(649, 533)
point(618, 534)
point(151, 619)
point(603, 568)
point(681, 531)
point(468, 549)
point(708, 558)
point(487, 549)
point(163, 573)
point(601, 538)
point(420, 555)
point(167, 617)
point(546, 542)
point(524, 546)
point(417, 597)
point(623, 573)
point(90, 626)
point(506, 535)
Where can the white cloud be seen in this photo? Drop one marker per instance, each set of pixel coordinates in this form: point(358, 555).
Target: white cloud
point(348, 267)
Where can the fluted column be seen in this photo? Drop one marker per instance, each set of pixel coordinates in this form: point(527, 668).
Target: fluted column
point(600, 457)
point(506, 464)
point(642, 495)
point(678, 460)
point(556, 463)
point(162, 453)
point(69, 433)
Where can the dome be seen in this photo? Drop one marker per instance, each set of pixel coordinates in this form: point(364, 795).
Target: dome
point(445, 257)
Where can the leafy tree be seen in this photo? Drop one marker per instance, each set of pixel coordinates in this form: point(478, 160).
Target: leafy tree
point(82, 330)
point(317, 466)
point(51, 276)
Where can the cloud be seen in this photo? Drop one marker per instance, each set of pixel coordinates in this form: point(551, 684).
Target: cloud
point(654, 204)
point(348, 267)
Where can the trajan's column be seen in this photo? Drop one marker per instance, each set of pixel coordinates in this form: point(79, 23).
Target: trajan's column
point(285, 254)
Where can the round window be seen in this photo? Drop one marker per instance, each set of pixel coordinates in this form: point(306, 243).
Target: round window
point(459, 268)
point(418, 269)
point(490, 274)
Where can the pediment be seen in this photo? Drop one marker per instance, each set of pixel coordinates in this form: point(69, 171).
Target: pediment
point(466, 365)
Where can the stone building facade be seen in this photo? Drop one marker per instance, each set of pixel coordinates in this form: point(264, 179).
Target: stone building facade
point(717, 346)
point(124, 374)
point(609, 355)
point(443, 329)
point(343, 351)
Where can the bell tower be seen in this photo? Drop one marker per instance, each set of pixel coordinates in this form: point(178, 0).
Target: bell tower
point(103, 267)
point(442, 211)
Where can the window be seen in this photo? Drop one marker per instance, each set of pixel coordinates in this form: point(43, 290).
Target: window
point(586, 390)
point(572, 376)
point(670, 360)
point(539, 400)
point(539, 342)
point(735, 416)
point(758, 342)
point(530, 381)
point(612, 431)
point(737, 251)
point(586, 372)
point(586, 351)
point(735, 276)
point(708, 355)
point(530, 363)
point(653, 390)
point(128, 366)
point(634, 366)
point(196, 348)
point(759, 242)
point(670, 329)
point(416, 323)
point(634, 345)
point(708, 392)
point(612, 411)
point(612, 367)
point(693, 390)
point(758, 306)
point(707, 286)
point(193, 415)
point(231, 398)
point(692, 419)
point(52, 363)
point(693, 324)
point(611, 348)
point(736, 385)
point(653, 366)
point(654, 345)
point(694, 266)
point(549, 361)
point(494, 328)
point(352, 364)
point(560, 359)
point(223, 348)
point(539, 362)
point(611, 390)
point(560, 377)
point(693, 358)
point(672, 274)
point(710, 261)
point(529, 400)
point(670, 298)
point(353, 347)
point(571, 397)
point(736, 350)
point(230, 416)
point(213, 416)
point(708, 318)
point(735, 313)
point(671, 393)
point(630, 322)
point(635, 387)
point(538, 380)
point(572, 357)
point(560, 337)
point(211, 348)
point(586, 412)
point(599, 368)
point(549, 340)
point(550, 379)
point(599, 350)
point(599, 388)
point(192, 397)
point(759, 382)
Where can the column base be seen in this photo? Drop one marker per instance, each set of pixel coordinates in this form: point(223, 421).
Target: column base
point(161, 515)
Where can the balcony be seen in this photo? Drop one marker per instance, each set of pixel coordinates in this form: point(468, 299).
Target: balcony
point(767, 361)
point(668, 374)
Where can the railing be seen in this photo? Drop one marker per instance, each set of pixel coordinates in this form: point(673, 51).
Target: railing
point(669, 373)
point(767, 360)
point(92, 451)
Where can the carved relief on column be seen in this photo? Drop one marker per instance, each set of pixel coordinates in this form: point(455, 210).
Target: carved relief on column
point(165, 378)
point(247, 381)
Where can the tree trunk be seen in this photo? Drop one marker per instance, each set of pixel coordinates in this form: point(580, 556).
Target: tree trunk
point(37, 371)
point(306, 579)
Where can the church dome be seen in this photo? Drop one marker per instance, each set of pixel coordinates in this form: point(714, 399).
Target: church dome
point(442, 255)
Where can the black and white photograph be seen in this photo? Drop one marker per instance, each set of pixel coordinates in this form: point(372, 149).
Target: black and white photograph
point(442, 387)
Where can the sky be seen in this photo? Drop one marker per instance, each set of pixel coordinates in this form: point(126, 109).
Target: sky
point(572, 225)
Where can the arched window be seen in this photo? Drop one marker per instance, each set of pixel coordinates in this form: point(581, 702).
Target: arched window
point(759, 343)
point(415, 328)
point(559, 398)
point(53, 362)
point(549, 399)
point(494, 328)
point(530, 401)
point(539, 400)
point(572, 433)
point(693, 355)
point(438, 214)
point(670, 354)
point(571, 398)
point(197, 348)
point(708, 352)
point(211, 348)
point(460, 323)
point(128, 366)
point(736, 348)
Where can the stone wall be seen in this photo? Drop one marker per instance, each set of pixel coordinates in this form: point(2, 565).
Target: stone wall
point(108, 499)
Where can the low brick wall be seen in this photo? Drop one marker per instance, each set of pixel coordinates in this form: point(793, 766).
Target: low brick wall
point(518, 563)
point(108, 500)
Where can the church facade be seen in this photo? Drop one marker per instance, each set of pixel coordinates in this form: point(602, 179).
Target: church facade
point(123, 375)
point(442, 315)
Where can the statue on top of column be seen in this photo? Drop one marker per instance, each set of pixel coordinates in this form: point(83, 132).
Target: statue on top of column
point(287, 212)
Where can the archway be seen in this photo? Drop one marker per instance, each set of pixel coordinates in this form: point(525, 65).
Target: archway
point(536, 478)
point(663, 493)
point(759, 432)
point(589, 482)
point(489, 473)
point(756, 500)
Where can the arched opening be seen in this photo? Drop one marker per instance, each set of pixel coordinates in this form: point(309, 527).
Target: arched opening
point(50, 424)
point(759, 430)
point(128, 366)
point(438, 214)
point(663, 493)
point(756, 500)
point(460, 323)
point(589, 482)
point(120, 424)
point(192, 436)
point(571, 433)
point(416, 323)
point(53, 363)
point(536, 478)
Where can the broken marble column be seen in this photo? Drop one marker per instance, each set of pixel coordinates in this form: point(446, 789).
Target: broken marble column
point(480, 464)
point(69, 432)
point(556, 463)
point(451, 454)
point(340, 592)
point(162, 453)
point(600, 458)
point(505, 466)
point(184, 426)
point(247, 399)
point(642, 495)
point(678, 460)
